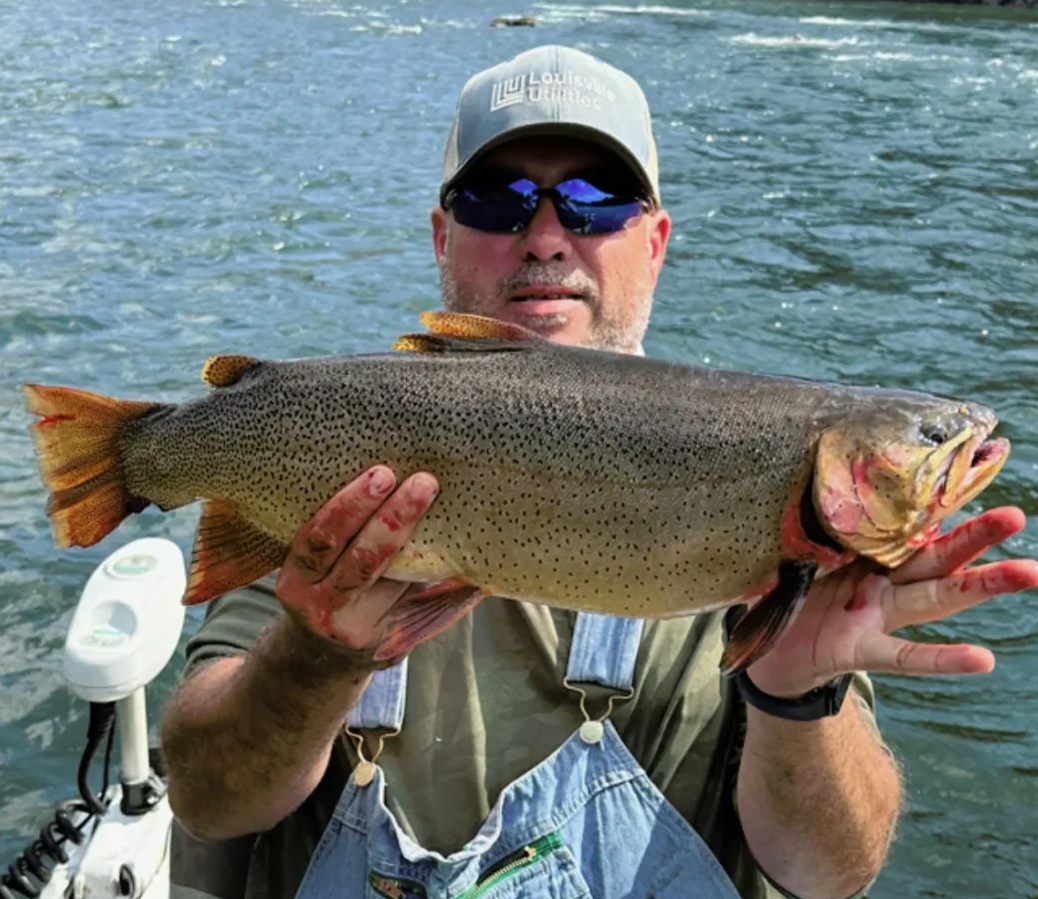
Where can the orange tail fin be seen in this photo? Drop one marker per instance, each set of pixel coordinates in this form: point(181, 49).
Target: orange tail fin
point(77, 445)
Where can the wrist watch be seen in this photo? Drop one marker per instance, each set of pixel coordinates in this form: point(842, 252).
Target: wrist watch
point(821, 702)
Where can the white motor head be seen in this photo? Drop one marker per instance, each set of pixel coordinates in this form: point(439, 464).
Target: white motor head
point(128, 621)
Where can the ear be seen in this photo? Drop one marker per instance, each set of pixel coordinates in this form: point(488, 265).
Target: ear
point(440, 224)
point(659, 234)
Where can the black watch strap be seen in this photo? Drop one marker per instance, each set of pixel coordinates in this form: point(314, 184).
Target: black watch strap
point(821, 702)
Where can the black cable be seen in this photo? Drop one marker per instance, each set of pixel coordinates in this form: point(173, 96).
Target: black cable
point(37, 859)
point(108, 757)
point(33, 866)
point(102, 715)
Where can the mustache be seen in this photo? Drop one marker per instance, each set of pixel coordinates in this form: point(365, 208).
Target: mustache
point(540, 275)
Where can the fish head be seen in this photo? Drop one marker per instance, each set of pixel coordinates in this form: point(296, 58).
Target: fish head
point(886, 478)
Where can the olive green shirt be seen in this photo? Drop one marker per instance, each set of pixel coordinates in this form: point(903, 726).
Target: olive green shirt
point(485, 703)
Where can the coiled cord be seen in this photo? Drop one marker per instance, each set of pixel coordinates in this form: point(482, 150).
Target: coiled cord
point(32, 868)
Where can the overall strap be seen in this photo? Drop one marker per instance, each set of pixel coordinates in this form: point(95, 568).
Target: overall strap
point(382, 703)
point(604, 650)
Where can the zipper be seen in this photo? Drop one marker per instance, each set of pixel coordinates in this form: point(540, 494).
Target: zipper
point(399, 888)
point(510, 864)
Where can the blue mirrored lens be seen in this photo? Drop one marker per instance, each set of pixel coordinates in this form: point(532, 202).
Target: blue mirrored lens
point(591, 210)
point(495, 209)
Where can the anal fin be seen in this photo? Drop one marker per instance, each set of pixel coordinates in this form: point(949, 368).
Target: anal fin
point(424, 611)
point(759, 628)
point(229, 553)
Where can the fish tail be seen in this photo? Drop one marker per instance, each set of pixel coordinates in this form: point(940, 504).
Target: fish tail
point(78, 450)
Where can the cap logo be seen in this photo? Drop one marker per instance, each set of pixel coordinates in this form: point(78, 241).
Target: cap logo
point(550, 87)
point(507, 93)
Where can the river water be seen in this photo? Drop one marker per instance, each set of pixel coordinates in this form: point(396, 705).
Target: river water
point(854, 195)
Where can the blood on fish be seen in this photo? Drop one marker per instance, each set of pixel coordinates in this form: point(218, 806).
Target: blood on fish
point(799, 546)
point(924, 537)
point(49, 420)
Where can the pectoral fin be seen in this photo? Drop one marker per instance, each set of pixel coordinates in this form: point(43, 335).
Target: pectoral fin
point(759, 628)
point(426, 610)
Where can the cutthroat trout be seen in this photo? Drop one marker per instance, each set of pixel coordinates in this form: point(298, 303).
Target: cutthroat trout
point(570, 477)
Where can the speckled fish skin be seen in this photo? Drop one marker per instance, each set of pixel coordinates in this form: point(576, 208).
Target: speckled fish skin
point(596, 482)
point(570, 477)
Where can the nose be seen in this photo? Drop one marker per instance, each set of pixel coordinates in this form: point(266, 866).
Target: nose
point(545, 239)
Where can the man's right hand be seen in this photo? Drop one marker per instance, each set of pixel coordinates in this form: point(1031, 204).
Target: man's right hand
point(331, 583)
point(248, 738)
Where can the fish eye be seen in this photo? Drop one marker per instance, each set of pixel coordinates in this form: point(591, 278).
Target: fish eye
point(935, 435)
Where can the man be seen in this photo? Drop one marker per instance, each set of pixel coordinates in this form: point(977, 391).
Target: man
point(477, 735)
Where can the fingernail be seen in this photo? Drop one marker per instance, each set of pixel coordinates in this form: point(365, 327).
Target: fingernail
point(380, 481)
point(423, 487)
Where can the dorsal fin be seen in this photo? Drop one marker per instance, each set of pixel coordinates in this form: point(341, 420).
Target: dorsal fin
point(461, 331)
point(465, 324)
point(222, 371)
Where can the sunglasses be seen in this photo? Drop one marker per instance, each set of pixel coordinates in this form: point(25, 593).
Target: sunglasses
point(508, 206)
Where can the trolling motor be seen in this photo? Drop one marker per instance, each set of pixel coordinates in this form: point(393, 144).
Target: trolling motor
point(124, 631)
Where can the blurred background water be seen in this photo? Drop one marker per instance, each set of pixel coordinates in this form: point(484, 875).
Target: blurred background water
point(853, 187)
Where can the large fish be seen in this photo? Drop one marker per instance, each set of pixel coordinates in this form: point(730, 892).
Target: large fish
point(571, 477)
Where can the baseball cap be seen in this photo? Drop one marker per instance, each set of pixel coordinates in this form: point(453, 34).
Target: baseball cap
point(552, 90)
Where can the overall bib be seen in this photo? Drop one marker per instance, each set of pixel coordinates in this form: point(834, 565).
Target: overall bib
point(585, 822)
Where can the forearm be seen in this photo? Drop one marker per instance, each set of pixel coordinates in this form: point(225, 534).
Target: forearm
point(818, 800)
point(247, 740)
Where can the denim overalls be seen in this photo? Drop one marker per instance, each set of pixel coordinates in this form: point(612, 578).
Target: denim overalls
point(585, 822)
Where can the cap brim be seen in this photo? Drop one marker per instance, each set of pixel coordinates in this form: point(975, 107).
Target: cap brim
point(556, 129)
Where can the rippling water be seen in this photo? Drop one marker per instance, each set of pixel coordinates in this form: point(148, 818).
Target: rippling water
point(854, 195)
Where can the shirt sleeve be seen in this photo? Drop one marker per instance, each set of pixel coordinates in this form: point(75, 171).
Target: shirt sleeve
point(233, 624)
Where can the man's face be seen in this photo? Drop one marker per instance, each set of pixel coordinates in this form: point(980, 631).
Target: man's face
point(586, 290)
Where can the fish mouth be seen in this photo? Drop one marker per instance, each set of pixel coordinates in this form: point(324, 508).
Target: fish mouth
point(965, 468)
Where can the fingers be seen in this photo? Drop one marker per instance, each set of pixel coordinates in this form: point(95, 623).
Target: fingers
point(335, 561)
point(318, 545)
point(381, 538)
point(961, 545)
point(931, 600)
point(893, 655)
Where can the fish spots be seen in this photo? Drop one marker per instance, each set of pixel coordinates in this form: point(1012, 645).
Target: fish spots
point(757, 592)
point(588, 486)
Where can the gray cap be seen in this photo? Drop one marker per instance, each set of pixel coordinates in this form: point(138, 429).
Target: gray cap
point(552, 90)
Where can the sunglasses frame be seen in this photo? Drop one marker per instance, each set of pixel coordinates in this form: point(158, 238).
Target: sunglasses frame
point(562, 203)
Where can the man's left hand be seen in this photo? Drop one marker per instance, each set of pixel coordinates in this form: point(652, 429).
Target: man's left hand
point(848, 616)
